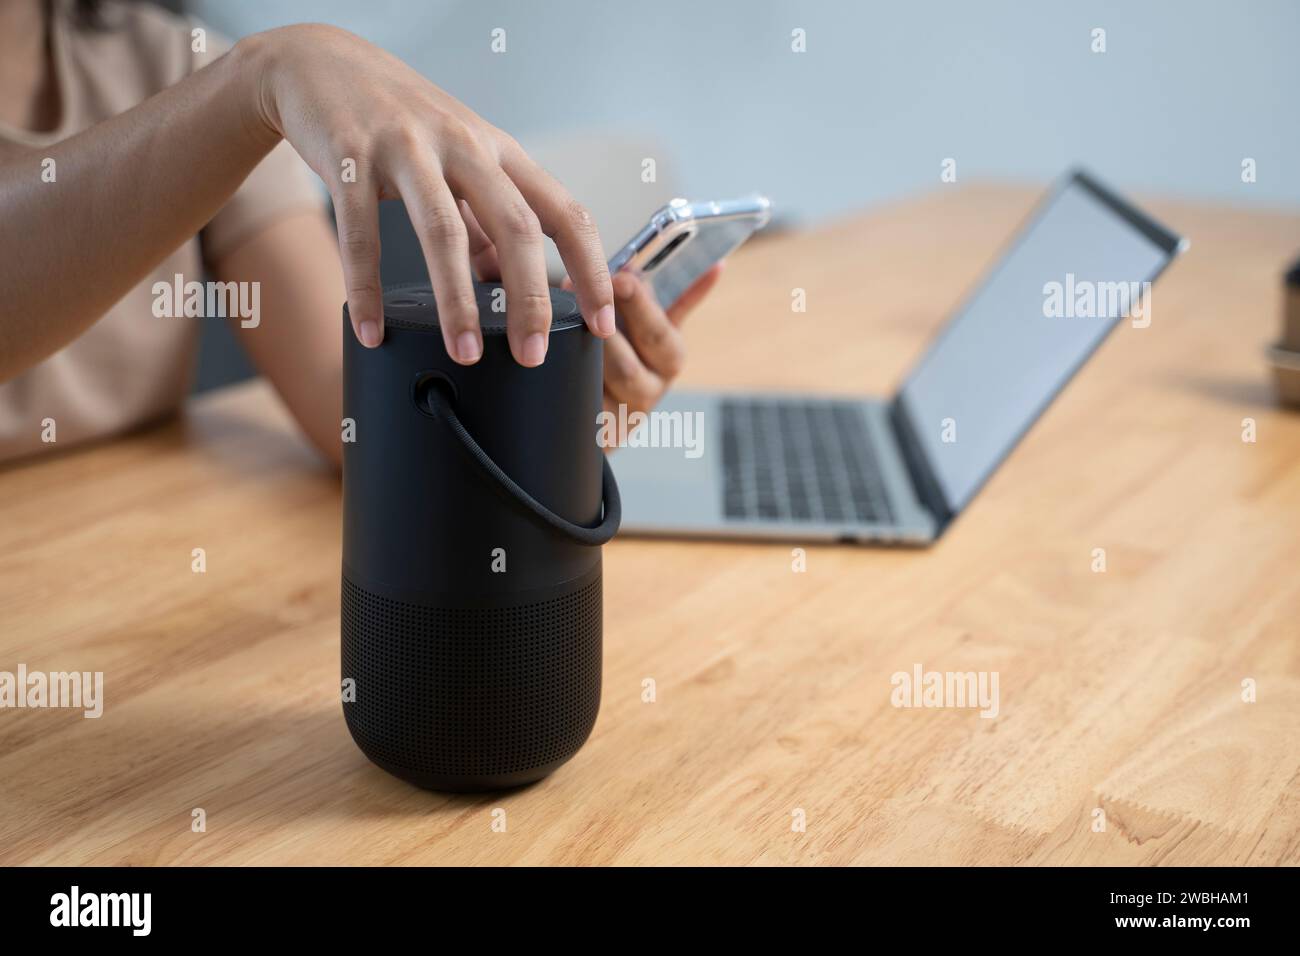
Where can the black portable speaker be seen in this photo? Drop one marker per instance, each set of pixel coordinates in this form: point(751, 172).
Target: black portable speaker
point(475, 501)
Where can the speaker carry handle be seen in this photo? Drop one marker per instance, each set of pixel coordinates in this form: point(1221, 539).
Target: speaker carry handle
point(440, 406)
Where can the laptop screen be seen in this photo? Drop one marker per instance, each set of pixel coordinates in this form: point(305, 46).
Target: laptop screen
point(1065, 282)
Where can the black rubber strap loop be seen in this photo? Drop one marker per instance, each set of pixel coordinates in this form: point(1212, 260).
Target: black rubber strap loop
point(440, 405)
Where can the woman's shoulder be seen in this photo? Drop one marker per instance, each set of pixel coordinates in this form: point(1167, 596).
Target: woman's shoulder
point(130, 51)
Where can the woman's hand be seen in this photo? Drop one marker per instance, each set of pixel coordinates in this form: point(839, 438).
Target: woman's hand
point(641, 364)
point(372, 128)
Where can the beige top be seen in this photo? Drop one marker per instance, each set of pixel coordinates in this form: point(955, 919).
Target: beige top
point(130, 366)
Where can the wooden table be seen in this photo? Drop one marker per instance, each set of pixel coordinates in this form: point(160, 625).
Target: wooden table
point(1119, 690)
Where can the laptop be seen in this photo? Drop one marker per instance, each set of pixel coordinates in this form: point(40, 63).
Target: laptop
point(899, 470)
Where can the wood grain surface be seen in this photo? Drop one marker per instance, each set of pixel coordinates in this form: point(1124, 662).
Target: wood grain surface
point(1119, 690)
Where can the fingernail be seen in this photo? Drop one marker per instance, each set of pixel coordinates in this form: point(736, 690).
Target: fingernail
point(534, 349)
point(369, 332)
point(605, 320)
point(467, 347)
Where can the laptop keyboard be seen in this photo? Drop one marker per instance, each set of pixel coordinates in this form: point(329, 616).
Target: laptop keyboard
point(792, 460)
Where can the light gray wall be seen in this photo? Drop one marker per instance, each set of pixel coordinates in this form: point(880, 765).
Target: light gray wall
point(1185, 90)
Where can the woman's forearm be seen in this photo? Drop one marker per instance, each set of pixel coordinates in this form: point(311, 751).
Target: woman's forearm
point(130, 190)
point(124, 194)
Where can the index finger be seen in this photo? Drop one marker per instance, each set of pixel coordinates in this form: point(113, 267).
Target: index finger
point(696, 291)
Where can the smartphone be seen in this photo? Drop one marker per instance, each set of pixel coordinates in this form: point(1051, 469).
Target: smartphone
point(684, 240)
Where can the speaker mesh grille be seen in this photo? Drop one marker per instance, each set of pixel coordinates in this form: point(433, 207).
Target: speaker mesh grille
point(472, 693)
